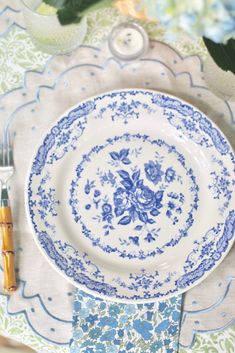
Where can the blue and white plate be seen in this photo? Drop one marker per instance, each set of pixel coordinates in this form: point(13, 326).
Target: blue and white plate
point(131, 196)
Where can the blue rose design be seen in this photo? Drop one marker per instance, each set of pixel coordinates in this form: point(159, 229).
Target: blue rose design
point(153, 172)
point(121, 201)
point(136, 199)
point(144, 199)
point(170, 175)
point(107, 212)
point(106, 208)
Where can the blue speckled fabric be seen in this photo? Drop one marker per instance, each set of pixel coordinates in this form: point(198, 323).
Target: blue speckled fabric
point(107, 327)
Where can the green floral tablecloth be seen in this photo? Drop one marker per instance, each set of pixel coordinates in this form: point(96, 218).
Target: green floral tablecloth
point(18, 55)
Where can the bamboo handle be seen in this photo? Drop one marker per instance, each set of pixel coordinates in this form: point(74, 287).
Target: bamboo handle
point(8, 254)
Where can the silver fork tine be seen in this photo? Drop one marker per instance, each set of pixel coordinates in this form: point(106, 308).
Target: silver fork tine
point(1, 154)
point(9, 150)
point(6, 150)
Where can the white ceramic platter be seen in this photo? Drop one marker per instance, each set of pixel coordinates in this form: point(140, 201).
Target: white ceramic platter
point(131, 196)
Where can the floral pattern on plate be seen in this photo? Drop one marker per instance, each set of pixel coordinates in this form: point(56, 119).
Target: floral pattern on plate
point(111, 180)
point(128, 195)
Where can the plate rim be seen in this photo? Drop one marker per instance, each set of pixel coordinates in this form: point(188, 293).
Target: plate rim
point(52, 263)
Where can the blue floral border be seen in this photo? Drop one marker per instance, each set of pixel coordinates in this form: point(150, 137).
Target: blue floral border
point(216, 137)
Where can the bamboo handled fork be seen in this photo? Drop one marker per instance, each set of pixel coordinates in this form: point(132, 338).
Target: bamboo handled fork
point(6, 225)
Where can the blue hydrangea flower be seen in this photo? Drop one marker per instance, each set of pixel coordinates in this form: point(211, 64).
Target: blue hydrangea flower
point(214, 19)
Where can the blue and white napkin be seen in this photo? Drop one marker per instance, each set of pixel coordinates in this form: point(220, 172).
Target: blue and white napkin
point(107, 327)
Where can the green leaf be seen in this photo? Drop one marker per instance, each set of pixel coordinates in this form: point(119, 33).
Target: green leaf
point(71, 11)
point(55, 3)
point(75, 5)
point(67, 16)
point(223, 54)
point(80, 5)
